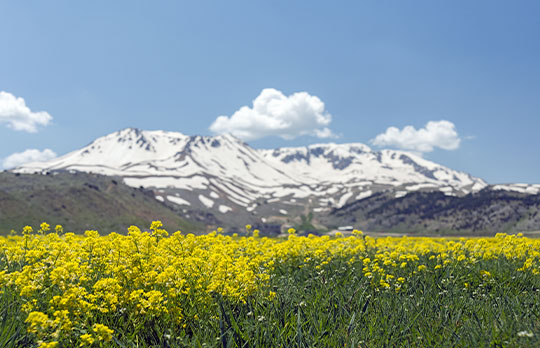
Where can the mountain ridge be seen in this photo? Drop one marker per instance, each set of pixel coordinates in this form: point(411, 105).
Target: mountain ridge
point(227, 178)
point(164, 150)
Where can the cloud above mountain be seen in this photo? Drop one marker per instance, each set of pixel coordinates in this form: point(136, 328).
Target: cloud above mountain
point(30, 155)
point(275, 114)
point(16, 115)
point(441, 134)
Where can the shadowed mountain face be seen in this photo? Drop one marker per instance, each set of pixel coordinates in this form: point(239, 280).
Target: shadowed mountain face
point(223, 181)
point(484, 212)
point(81, 202)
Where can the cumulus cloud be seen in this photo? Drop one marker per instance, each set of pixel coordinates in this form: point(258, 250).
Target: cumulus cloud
point(441, 134)
point(30, 155)
point(18, 116)
point(273, 113)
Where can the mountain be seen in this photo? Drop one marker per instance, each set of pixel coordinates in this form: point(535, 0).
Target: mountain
point(80, 202)
point(484, 212)
point(233, 183)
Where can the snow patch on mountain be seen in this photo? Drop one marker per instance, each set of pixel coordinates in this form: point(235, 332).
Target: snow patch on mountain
point(224, 209)
point(343, 199)
point(206, 201)
point(178, 200)
point(523, 188)
point(364, 194)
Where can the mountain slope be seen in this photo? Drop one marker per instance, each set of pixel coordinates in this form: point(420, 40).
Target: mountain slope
point(80, 202)
point(487, 211)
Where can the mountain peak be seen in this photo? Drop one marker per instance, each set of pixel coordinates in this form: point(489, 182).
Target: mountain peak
point(228, 170)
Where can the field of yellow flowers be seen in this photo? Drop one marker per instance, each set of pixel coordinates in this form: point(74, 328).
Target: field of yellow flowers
point(152, 289)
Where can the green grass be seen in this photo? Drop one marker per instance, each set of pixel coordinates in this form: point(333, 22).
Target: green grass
point(336, 306)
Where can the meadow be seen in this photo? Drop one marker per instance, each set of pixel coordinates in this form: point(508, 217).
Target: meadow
point(155, 289)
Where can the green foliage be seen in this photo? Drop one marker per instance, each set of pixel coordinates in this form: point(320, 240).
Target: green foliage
point(334, 305)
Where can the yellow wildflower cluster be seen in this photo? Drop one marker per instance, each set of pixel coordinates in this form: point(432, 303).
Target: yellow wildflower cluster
point(67, 282)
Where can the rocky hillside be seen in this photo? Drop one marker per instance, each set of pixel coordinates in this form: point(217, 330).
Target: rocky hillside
point(485, 212)
point(80, 202)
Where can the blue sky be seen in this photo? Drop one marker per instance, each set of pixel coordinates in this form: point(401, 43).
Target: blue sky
point(100, 66)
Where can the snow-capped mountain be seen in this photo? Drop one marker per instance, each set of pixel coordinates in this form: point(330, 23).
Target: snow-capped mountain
point(224, 174)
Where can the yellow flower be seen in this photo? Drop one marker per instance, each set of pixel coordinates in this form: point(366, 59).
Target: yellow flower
point(27, 230)
point(91, 233)
point(156, 224)
point(61, 320)
point(357, 232)
point(52, 344)
point(86, 339)
point(485, 274)
point(44, 227)
point(133, 230)
point(38, 322)
point(366, 261)
point(103, 332)
point(157, 230)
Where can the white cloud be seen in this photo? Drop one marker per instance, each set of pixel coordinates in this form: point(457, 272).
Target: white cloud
point(18, 116)
point(273, 113)
point(441, 134)
point(30, 155)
